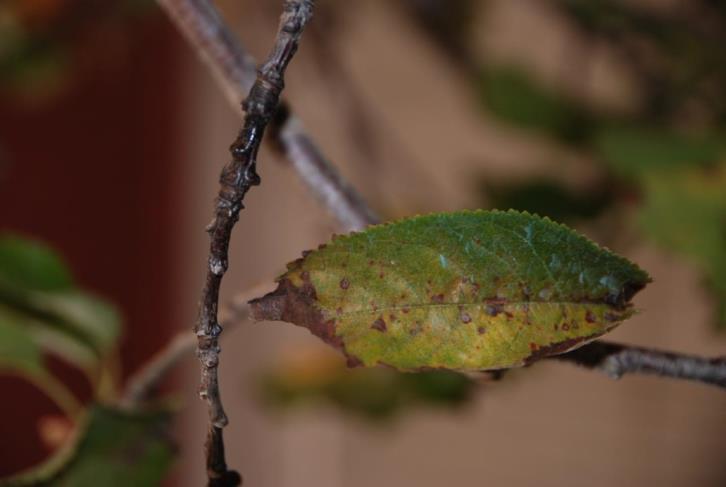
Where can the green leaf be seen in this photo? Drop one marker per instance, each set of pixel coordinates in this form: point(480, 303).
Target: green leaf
point(514, 97)
point(470, 290)
point(38, 300)
point(113, 448)
point(21, 355)
point(685, 211)
point(635, 151)
point(32, 265)
point(18, 351)
point(86, 317)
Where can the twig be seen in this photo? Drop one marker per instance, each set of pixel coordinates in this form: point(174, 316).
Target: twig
point(142, 385)
point(234, 70)
point(616, 360)
point(236, 179)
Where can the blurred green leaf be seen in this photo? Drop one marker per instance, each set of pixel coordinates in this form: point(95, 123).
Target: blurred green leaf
point(86, 317)
point(113, 448)
point(31, 265)
point(371, 393)
point(21, 355)
point(634, 151)
point(51, 339)
point(38, 301)
point(549, 198)
point(18, 351)
point(516, 98)
point(685, 211)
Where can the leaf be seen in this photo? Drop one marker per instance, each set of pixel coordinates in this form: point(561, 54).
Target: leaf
point(113, 448)
point(21, 355)
point(470, 290)
point(32, 265)
point(38, 299)
point(34, 281)
point(515, 98)
point(685, 211)
point(635, 151)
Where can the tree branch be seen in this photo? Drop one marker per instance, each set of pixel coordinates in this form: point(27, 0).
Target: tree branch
point(616, 360)
point(143, 383)
point(234, 70)
point(236, 179)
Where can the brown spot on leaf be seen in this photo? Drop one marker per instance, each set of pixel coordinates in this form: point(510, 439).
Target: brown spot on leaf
point(493, 309)
point(344, 283)
point(481, 330)
point(565, 326)
point(589, 316)
point(465, 318)
point(305, 253)
point(379, 325)
point(438, 298)
point(611, 317)
point(405, 310)
point(533, 346)
point(416, 329)
point(381, 275)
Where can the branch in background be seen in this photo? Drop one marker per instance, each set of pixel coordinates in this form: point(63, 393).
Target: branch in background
point(236, 179)
point(234, 70)
point(616, 360)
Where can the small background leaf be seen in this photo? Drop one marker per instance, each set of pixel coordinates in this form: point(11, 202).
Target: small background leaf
point(41, 311)
point(114, 449)
point(374, 394)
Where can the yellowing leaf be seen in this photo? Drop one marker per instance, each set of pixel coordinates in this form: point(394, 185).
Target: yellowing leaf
point(471, 290)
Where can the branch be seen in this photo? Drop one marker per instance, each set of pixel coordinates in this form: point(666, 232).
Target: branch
point(143, 384)
point(616, 360)
point(237, 178)
point(234, 70)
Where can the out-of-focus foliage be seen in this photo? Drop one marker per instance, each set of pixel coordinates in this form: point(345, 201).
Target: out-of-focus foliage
point(112, 448)
point(45, 44)
point(370, 393)
point(666, 151)
point(514, 97)
point(43, 313)
point(635, 152)
point(550, 198)
point(685, 211)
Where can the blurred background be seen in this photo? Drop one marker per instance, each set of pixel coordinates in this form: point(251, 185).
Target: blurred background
point(607, 115)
